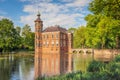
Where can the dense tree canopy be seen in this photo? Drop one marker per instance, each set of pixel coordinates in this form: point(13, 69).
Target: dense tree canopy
point(11, 39)
point(103, 26)
point(110, 8)
point(27, 37)
point(8, 35)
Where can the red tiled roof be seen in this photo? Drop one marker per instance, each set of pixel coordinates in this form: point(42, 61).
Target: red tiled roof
point(55, 28)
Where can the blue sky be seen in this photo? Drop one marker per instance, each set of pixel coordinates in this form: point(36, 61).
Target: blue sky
point(66, 13)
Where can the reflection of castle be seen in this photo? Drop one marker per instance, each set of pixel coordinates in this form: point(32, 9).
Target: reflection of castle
point(51, 45)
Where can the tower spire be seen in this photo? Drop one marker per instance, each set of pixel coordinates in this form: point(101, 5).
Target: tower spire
point(38, 14)
point(38, 18)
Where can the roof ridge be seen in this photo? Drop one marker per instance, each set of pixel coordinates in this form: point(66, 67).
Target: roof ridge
point(55, 28)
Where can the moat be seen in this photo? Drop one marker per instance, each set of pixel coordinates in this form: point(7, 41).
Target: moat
point(22, 67)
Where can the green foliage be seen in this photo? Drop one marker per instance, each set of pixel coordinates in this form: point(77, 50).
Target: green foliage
point(110, 8)
point(117, 58)
point(79, 37)
point(72, 30)
point(69, 76)
point(95, 66)
point(103, 26)
point(11, 39)
point(27, 37)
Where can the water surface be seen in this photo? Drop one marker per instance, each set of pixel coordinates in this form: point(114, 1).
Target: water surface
point(18, 67)
point(22, 67)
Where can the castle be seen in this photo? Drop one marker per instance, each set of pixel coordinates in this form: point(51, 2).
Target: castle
point(51, 46)
point(54, 39)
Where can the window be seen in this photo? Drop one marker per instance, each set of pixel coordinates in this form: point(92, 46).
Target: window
point(52, 36)
point(52, 43)
point(47, 43)
point(56, 43)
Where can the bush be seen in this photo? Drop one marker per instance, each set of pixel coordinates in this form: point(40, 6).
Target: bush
point(95, 66)
point(117, 58)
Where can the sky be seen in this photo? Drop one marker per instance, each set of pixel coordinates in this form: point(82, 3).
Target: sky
point(66, 13)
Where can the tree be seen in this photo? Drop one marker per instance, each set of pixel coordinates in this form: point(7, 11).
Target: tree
point(8, 35)
point(105, 21)
point(72, 30)
point(18, 29)
point(25, 30)
point(110, 8)
point(80, 37)
point(27, 37)
point(19, 39)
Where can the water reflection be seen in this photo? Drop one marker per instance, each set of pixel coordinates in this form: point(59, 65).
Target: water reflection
point(52, 64)
point(60, 63)
point(23, 67)
point(16, 68)
point(81, 61)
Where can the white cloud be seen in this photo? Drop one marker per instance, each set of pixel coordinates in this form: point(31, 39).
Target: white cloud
point(35, 1)
point(1, 17)
point(67, 15)
point(78, 3)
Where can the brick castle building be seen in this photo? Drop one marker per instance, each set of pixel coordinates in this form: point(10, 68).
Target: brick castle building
point(54, 39)
point(51, 44)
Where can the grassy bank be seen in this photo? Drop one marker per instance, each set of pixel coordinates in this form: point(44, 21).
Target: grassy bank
point(95, 71)
point(17, 53)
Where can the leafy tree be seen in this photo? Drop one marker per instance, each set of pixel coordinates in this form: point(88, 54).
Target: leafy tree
point(105, 22)
point(110, 8)
point(92, 20)
point(8, 36)
point(72, 30)
point(25, 30)
point(27, 37)
point(18, 29)
point(80, 37)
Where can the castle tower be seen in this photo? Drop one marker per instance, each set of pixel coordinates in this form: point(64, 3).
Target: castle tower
point(38, 34)
point(38, 45)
